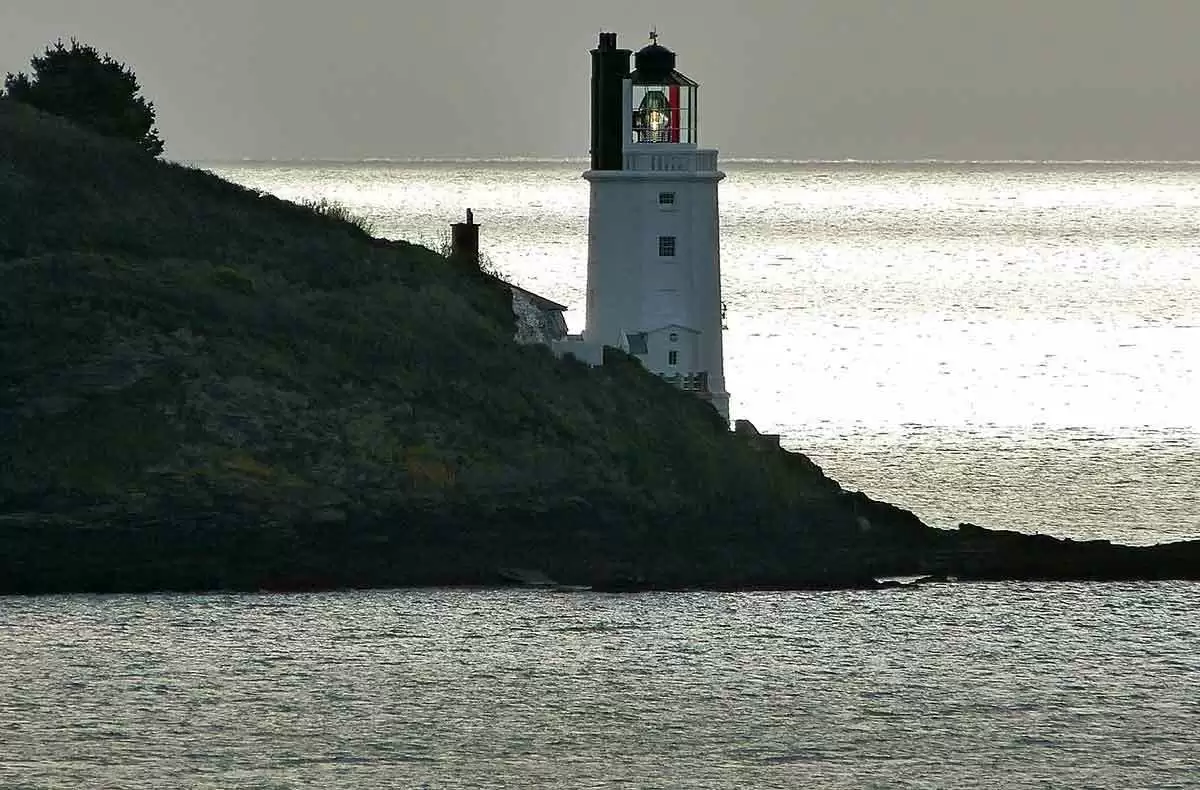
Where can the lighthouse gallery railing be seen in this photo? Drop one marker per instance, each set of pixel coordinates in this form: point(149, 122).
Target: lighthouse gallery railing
point(699, 161)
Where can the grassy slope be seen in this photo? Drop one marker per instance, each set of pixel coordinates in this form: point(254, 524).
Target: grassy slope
point(202, 386)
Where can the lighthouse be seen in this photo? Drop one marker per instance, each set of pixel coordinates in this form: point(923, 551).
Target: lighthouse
point(654, 265)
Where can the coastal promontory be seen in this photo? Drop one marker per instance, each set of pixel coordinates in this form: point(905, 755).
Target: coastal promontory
point(203, 387)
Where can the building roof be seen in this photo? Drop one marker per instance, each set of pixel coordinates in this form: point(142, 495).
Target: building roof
point(639, 77)
point(540, 302)
point(673, 326)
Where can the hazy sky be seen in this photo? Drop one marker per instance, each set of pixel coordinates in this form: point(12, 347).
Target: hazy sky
point(870, 79)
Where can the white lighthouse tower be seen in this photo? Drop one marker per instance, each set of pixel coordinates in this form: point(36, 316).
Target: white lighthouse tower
point(654, 266)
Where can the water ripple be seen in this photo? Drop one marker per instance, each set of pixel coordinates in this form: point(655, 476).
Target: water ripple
point(989, 685)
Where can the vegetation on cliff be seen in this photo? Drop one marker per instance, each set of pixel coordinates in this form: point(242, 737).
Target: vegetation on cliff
point(206, 387)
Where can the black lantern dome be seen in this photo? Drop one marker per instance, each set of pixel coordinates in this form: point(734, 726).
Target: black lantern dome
point(653, 63)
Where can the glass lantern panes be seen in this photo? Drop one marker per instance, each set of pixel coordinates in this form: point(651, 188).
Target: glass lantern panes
point(664, 113)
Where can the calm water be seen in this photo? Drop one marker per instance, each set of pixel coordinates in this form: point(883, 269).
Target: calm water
point(1015, 345)
point(962, 686)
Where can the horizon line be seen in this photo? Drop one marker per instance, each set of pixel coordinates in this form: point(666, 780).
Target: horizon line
point(408, 160)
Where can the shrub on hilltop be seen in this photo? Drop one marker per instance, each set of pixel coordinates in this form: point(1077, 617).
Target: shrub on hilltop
point(93, 90)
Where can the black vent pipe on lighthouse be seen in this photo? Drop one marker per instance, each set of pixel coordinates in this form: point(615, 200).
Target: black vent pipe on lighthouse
point(610, 66)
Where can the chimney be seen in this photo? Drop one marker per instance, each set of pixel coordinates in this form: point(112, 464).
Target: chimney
point(464, 240)
point(610, 67)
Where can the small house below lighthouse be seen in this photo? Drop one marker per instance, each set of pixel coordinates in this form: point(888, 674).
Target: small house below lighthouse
point(654, 265)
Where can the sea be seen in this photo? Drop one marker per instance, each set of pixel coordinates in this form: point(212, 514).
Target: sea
point(1011, 344)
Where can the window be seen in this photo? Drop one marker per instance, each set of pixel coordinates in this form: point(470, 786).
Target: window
point(672, 358)
point(666, 246)
point(637, 342)
point(674, 337)
point(666, 199)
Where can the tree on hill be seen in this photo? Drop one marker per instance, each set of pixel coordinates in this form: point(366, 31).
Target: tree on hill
point(90, 89)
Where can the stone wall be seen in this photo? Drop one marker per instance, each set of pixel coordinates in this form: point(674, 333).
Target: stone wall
point(535, 325)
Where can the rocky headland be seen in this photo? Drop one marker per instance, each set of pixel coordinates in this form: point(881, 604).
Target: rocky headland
point(207, 388)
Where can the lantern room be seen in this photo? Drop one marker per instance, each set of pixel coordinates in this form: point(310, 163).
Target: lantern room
point(663, 100)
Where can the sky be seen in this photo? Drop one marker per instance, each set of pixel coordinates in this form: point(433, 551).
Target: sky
point(802, 79)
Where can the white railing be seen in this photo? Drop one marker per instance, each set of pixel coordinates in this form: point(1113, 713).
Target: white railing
point(697, 161)
point(689, 382)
